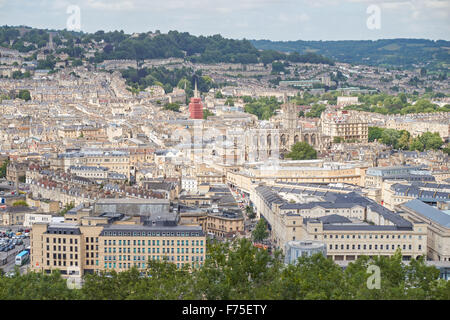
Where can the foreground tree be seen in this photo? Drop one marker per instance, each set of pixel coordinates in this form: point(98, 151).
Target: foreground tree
point(260, 232)
point(238, 270)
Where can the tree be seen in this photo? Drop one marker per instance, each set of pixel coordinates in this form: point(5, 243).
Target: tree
point(207, 113)
point(3, 168)
point(264, 108)
point(390, 137)
point(20, 203)
point(66, 208)
point(250, 212)
point(445, 150)
point(260, 232)
point(238, 270)
point(416, 144)
point(172, 106)
point(24, 95)
point(431, 140)
point(337, 139)
point(77, 62)
point(219, 95)
point(229, 102)
point(316, 111)
point(404, 140)
point(302, 151)
point(314, 277)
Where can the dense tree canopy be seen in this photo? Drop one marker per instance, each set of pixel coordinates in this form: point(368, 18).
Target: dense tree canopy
point(302, 151)
point(260, 232)
point(402, 139)
point(264, 107)
point(24, 95)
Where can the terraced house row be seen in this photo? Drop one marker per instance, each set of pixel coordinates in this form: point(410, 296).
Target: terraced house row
point(349, 224)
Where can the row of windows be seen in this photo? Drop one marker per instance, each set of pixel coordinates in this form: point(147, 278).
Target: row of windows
point(152, 234)
point(63, 256)
point(154, 242)
point(71, 241)
point(143, 258)
point(154, 250)
point(364, 247)
point(63, 263)
point(71, 248)
point(111, 265)
point(365, 236)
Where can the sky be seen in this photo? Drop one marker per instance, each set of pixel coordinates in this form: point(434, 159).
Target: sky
point(238, 19)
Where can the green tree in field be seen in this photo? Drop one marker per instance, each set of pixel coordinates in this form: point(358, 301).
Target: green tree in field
point(302, 151)
point(260, 232)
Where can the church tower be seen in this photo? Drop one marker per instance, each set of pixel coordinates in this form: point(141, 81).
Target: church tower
point(290, 116)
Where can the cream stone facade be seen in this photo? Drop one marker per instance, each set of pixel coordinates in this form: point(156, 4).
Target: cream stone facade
point(349, 224)
point(437, 224)
point(82, 248)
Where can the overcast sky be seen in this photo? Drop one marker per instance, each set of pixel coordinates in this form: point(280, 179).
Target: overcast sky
point(250, 19)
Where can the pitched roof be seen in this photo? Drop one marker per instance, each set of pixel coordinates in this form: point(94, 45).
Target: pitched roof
point(429, 212)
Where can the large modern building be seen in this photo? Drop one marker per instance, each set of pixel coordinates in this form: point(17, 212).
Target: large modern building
point(438, 227)
point(103, 243)
point(348, 223)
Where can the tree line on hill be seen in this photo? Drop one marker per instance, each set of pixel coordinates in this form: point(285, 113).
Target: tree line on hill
point(183, 78)
point(389, 104)
point(405, 53)
point(239, 270)
point(174, 44)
